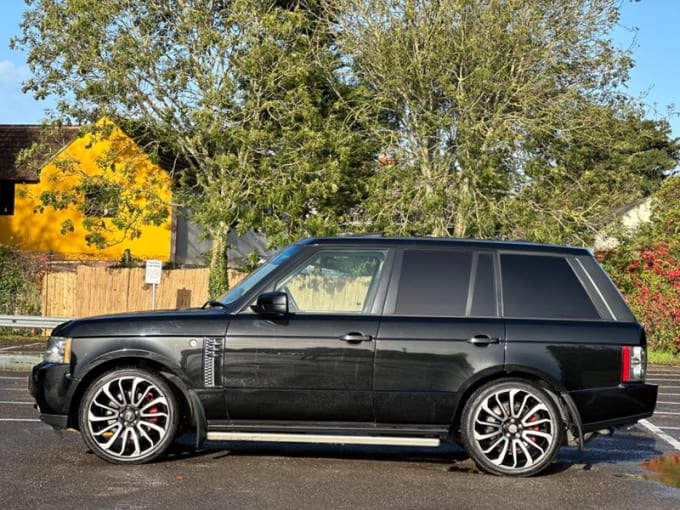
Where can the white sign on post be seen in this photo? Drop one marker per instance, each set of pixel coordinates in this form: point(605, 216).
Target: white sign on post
point(154, 270)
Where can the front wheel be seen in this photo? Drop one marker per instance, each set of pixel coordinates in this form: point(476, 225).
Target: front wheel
point(512, 428)
point(129, 416)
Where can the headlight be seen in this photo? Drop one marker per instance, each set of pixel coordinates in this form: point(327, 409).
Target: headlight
point(58, 350)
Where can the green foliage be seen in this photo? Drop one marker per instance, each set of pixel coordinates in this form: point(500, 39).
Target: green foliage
point(579, 179)
point(665, 222)
point(19, 284)
point(646, 267)
point(650, 279)
point(506, 118)
point(218, 280)
point(662, 358)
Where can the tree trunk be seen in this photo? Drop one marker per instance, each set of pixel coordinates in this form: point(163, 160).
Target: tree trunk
point(219, 276)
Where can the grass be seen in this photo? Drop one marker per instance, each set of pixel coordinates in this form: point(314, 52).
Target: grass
point(12, 339)
point(662, 358)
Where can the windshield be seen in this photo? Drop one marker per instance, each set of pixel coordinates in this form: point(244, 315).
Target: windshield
point(258, 275)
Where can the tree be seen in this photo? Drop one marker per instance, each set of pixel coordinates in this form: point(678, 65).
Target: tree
point(508, 116)
point(579, 181)
point(243, 92)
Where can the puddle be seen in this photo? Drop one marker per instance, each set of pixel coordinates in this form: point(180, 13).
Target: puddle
point(666, 469)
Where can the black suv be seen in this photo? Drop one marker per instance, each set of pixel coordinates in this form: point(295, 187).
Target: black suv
point(509, 349)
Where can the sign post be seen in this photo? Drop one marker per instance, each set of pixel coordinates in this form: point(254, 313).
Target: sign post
point(154, 270)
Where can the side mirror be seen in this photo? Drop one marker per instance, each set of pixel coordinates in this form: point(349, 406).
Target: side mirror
point(271, 304)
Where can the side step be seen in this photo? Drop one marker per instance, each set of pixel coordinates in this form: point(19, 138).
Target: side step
point(325, 439)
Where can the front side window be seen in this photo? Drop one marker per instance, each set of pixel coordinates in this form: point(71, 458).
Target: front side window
point(334, 281)
point(257, 276)
point(543, 287)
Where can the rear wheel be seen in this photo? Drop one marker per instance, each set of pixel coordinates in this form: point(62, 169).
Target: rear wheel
point(129, 416)
point(512, 428)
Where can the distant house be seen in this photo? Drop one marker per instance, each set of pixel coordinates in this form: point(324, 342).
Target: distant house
point(628, 220)
point(120, 171)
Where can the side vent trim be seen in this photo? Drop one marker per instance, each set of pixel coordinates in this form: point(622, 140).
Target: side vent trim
point(213, 348)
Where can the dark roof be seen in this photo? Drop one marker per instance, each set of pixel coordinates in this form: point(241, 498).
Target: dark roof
point(432, 242)
point(16, 137)
point(52, 140)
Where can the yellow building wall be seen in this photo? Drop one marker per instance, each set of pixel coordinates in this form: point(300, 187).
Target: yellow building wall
point(30, 229)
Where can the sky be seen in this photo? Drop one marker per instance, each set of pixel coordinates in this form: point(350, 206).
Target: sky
point(655, 44)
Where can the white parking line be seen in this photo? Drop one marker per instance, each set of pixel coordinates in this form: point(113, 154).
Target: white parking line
point(16, 403)
point(668, 403)
point(656, 413)
point(660, 433)
point(18, 419)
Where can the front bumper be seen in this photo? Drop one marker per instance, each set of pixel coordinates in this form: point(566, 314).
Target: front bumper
point(49, 384)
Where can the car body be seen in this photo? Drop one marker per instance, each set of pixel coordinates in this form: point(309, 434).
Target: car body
point(510, 349)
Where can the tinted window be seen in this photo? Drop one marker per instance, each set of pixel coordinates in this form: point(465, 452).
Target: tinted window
point(434, 283)
point(543, 287)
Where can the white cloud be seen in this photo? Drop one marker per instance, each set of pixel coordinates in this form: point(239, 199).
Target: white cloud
point(17, 107)
point(11, 73)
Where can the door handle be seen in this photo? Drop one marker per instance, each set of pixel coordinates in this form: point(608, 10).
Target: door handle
point(356, 338)
point(483, 340)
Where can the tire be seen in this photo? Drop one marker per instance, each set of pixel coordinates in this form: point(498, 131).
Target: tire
point(512, 427)
point(129, 416)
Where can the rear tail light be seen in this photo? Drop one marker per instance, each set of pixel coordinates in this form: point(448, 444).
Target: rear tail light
point(633, 363)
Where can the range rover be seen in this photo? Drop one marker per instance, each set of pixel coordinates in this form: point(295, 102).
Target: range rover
point(509, 349)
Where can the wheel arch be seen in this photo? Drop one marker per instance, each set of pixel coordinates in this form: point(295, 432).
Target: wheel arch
point(179, 387)
point(552, 387)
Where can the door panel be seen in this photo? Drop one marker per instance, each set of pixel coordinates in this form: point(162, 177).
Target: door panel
point(300, 368)
point(423, 364)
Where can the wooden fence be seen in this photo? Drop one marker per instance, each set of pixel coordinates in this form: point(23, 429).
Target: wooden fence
point(84, 291)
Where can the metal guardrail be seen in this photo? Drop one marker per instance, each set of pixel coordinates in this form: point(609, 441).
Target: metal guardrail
point(30, 321)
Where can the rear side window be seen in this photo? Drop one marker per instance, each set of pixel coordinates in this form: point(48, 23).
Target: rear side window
point(543, 287)
point(434, 283)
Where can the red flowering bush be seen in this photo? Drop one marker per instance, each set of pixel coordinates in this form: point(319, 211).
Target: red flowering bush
point(650, 281)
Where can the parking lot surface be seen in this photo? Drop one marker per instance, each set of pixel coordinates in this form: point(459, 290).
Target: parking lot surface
point(665, 422)
point(41, 468)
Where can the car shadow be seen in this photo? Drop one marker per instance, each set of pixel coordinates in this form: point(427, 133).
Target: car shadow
point(632, 446)
point(183, 448)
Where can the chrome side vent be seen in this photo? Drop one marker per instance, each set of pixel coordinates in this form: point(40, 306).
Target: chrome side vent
point(213, 348)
